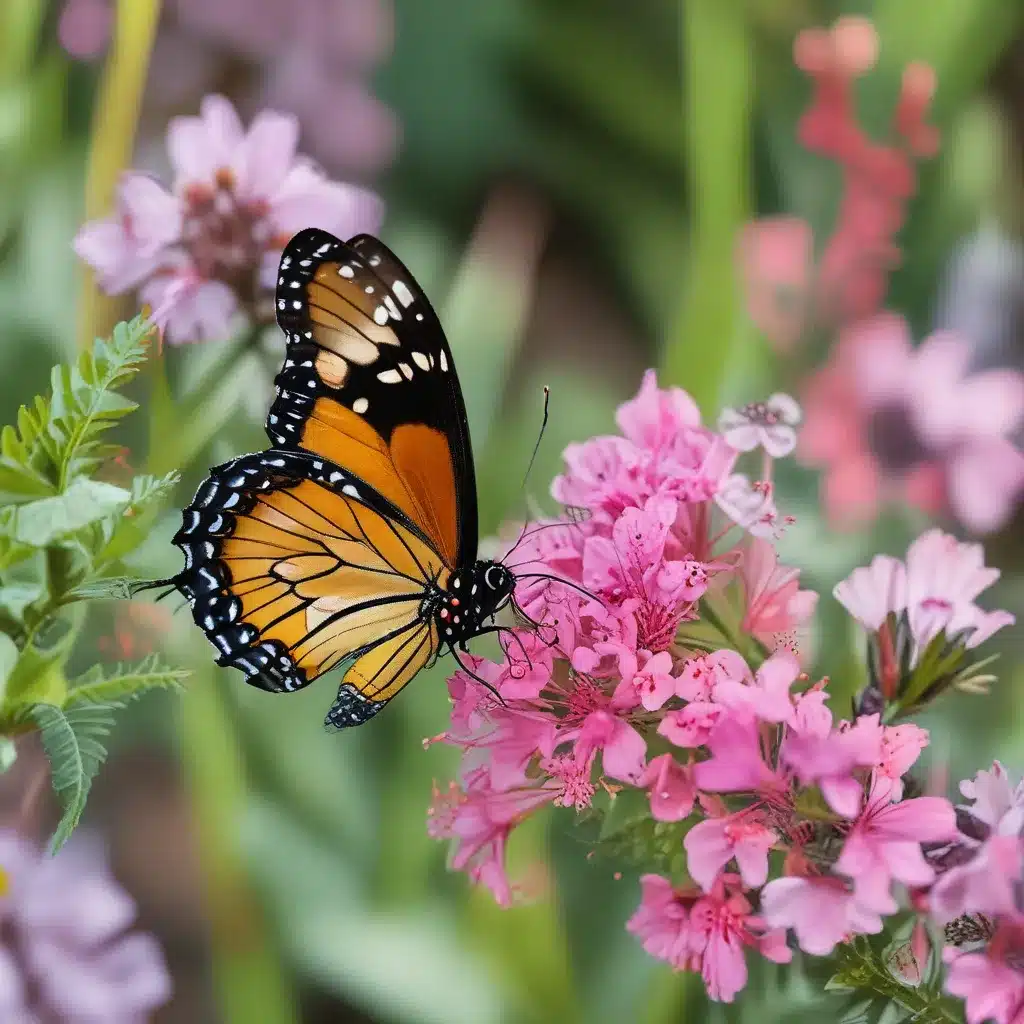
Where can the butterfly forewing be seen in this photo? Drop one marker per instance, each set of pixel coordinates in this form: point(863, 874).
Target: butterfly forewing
point(369, 381)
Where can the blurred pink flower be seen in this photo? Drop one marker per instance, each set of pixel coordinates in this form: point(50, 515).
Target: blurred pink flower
point(822, 911)
point(991, 982)
point(305, 58)
point(201, 253)
point(785, 294)
point(84, 28)
point(66, 953)
point(766, 695)
point(889, 423)
point(989, 866)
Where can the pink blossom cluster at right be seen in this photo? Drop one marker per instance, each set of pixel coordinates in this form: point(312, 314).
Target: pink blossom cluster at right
point(638, 676)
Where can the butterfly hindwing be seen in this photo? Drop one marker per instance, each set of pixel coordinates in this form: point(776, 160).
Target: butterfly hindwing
point(294, 567)
point(369, 382)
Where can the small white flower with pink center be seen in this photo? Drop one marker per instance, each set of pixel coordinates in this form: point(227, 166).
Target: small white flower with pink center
point(770, 425)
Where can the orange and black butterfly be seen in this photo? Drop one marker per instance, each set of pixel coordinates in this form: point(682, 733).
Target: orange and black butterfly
point(352, 542)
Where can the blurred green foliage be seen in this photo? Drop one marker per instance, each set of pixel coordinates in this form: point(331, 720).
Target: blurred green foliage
point(651, 132)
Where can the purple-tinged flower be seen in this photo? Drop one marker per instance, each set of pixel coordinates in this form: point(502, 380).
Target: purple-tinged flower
point(770, 425)
point(989, 860)
point(750, 506)
point(208, 249)
point(991, 982)
point(66, 952)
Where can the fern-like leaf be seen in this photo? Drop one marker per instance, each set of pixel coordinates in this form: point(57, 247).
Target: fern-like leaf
point(74, 743)
point(124, 684)
point(58, 439)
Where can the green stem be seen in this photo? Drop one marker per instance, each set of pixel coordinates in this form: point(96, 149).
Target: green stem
point(247, 969)
point(717, 59)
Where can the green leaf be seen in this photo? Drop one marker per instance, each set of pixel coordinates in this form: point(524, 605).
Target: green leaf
point(122, 685)
point(8, 659)
point(626, 808)
point(58, 439)
point(8, 754)
point(74, 743)
point(118, 588)
point(40, 523)
point(122, 533)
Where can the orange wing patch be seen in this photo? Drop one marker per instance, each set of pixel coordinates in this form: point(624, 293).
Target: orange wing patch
point(326, 575)
point(414, 473)
point(379, 674)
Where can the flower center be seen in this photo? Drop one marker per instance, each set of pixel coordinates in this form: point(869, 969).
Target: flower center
point(225, 235)
point(893, 439)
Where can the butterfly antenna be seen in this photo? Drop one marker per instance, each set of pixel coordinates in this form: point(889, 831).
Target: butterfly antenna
point(540, 435)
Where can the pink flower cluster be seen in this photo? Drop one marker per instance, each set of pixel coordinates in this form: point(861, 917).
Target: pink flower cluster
point(663, 660)
point(209, 247)
point(786, 294)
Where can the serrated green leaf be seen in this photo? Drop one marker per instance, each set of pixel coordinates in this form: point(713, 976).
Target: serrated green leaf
point(40, 523)
point(58, 438)
point(74, 743)
point(122, 685)
point(123, 533)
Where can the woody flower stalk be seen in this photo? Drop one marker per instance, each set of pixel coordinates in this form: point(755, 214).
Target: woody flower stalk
point(665, 685)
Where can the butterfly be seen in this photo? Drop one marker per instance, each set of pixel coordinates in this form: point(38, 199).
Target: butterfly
point(351, 542)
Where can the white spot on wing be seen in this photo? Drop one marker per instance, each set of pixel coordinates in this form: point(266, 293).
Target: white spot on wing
point(346, 271)
point(406, 369)
point(389, 376)
point(380, 315)
point(444, 362)
point(360, 405)
point(402, 293)
point(421, 360)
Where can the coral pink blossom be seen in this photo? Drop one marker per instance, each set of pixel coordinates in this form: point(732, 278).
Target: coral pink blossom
point(712, 843)
point(786, 296)
point(891, 423)
point(884, 844)
point(206, 249)
point(831, 761)
point(775, 608)
point(701, 676)
point(822, 911)
point(671, 787)
point(767, 695)
point(662, 922)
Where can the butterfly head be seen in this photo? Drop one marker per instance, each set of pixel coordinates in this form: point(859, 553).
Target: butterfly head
point(473, 596)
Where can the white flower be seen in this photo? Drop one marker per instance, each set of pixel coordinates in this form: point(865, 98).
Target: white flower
point(750, 505)
point(768, 425)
